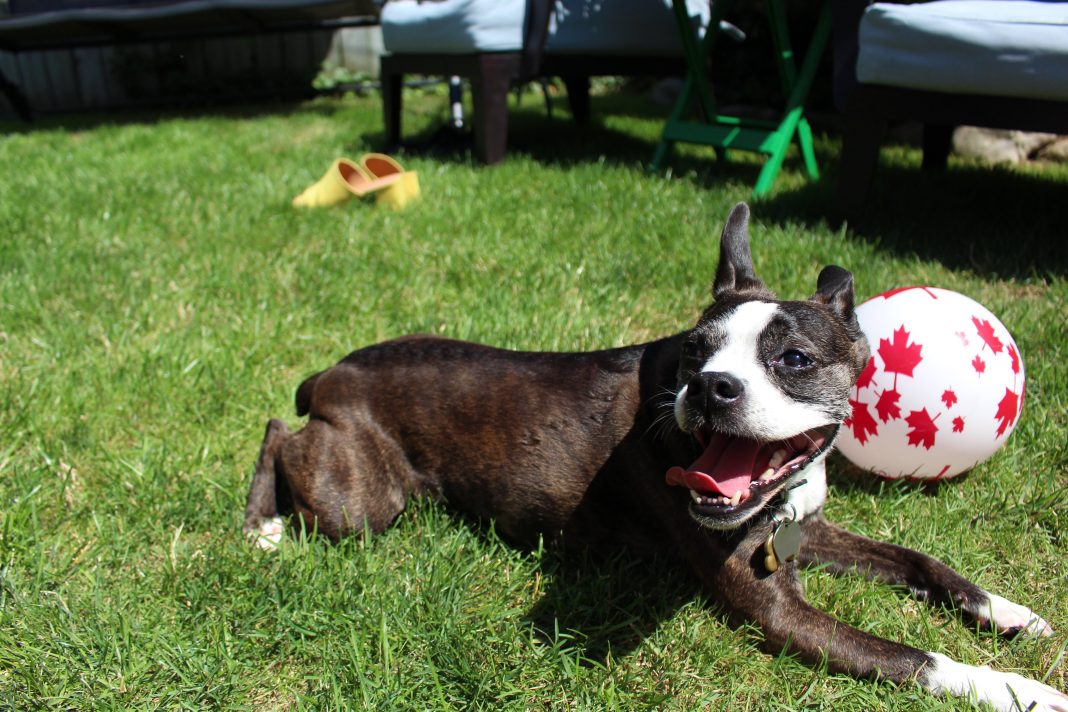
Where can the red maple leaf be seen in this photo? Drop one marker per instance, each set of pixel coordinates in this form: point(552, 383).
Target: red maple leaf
point(891, 292)
point(958, 424)
point(1006, 412)
point(899, 356)
point(886, 406)
point(949, 397)
point(986, 333)
point(867, 374)
point(1015, 356)
point(922, 428)
point(963, 337)
point(978, 364)
point(861, 422)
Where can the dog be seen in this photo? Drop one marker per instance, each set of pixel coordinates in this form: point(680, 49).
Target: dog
point(708, 446)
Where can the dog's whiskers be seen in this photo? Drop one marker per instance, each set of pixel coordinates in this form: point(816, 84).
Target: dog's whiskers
point(667, 398)
point(664, 401)
point(662, 424)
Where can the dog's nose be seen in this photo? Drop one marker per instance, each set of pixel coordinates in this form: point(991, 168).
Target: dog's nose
point(713, 388)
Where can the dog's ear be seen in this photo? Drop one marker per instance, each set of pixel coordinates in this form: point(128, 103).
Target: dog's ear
point(735, 271)
point(834, 287)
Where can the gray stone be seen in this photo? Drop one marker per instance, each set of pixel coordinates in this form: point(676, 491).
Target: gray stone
point(999, 145)
point(1056, 151)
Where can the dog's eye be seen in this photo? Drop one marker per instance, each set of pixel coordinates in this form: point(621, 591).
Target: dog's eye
point(795, 359)
point(690, 350)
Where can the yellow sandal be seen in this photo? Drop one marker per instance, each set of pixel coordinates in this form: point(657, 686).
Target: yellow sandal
point(403, 187)
point(375, 173)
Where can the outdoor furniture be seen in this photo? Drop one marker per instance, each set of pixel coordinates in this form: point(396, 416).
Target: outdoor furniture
point(32, 27)
point(726, 132)
point(495, 43)
point(993, 63)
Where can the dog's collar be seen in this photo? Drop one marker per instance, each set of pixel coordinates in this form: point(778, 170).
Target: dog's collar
point(784, 536)
point(781, 515)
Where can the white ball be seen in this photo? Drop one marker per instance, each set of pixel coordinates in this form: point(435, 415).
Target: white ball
point(943, 389)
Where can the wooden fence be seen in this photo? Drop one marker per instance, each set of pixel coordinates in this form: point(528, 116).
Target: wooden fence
point(210, 69)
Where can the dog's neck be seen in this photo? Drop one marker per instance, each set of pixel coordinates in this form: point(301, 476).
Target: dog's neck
point(807, 499)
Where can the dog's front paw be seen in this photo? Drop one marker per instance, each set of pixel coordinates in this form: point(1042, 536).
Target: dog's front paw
point(1004, 691)
point(1010, 618)
point(1027, 695)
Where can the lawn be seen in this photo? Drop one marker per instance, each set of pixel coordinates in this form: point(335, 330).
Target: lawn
point(160, 300)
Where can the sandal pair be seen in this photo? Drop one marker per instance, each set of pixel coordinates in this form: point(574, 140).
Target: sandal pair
point(377, 173)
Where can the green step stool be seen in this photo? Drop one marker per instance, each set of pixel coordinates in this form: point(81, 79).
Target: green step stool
point(732, 132)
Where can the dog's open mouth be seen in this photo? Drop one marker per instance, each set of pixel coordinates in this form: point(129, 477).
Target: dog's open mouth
point(732, 471)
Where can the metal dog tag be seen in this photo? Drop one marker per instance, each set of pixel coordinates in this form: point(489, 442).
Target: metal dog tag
point(786, 541)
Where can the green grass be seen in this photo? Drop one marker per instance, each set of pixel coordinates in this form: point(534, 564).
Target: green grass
point(160, 300)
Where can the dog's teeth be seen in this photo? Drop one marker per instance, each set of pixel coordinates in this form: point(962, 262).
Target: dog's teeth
point(696, 497)
point(768, 474)
point(736, 498)
point(777, 458)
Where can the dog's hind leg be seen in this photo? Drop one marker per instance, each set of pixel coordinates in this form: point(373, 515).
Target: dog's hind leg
point(343, 479)
point(841, 551)
point(262, 520)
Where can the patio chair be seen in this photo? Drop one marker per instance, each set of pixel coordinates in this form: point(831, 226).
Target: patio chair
point(992, 63)
point(496, 43)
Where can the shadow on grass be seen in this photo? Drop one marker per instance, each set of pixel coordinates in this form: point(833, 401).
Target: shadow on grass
point(600, 600)
point(993, 221)
point(562, 143)
point(844, 475)
point(604, 605)
point(996, 222)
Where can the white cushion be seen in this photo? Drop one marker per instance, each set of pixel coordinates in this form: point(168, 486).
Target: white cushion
point(630, 27)
point(620, 27)
point(1012, 48)
point(453, 26)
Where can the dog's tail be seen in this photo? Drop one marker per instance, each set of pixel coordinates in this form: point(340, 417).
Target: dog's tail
point(304, 393)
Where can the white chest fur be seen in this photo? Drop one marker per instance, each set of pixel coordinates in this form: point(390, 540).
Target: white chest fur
point(809, 497)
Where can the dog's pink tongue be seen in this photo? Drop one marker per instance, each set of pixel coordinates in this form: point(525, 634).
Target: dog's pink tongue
point(725, 467)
